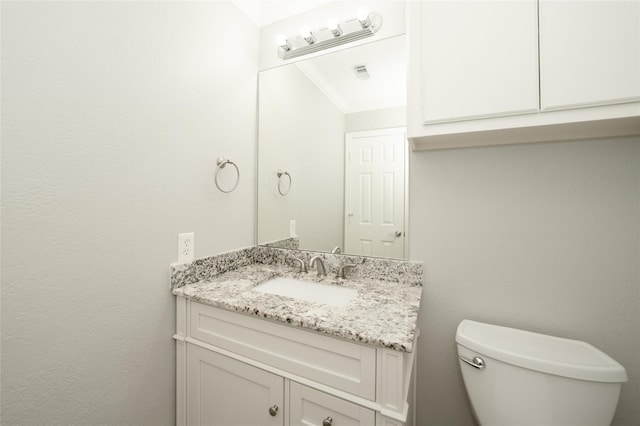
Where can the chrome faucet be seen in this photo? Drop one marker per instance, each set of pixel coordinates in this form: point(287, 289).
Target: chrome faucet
point(343, 268)
point(303, 266)
point(317, 262)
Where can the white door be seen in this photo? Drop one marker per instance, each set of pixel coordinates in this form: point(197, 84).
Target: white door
point(224, 392)
point(375, 194)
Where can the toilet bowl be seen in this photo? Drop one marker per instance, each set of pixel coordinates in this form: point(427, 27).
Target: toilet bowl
point(519, 378)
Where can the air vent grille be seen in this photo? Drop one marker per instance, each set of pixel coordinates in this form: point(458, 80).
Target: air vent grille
point(361, 72)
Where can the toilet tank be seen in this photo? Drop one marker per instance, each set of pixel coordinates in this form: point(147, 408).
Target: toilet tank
point(533, 379)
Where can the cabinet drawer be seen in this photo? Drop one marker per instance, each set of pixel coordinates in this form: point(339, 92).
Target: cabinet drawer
point(344, 365)
point(311, 407)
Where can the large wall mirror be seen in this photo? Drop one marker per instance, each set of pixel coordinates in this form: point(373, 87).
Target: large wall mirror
point(332, 152)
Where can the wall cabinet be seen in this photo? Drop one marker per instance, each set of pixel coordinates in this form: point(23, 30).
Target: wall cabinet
point(480, 59)
point(589, 53)
point(487, 72)
point(233, 369)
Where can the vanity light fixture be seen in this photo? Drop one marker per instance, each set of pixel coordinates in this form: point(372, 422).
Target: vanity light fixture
point(364, 25)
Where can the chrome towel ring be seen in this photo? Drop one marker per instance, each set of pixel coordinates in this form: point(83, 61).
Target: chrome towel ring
point(280, 175)
point(222, 162)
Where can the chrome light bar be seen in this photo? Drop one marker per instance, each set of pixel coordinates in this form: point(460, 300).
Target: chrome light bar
point(336, 34)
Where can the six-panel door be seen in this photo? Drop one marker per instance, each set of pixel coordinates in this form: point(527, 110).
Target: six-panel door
point(375, 193)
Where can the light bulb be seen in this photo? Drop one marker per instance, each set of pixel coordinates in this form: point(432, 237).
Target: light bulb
point(305, 33)
point(363, 17)
point(363, 14)
point(281, 40)
point(332, 25)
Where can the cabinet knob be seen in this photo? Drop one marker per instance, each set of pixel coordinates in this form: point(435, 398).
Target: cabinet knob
point(327, 422)
point(398, 233)
point(273, 410)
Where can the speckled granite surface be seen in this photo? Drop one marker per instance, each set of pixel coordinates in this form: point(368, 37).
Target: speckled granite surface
point(409, 272)
point(288, 243)
point(384, 313)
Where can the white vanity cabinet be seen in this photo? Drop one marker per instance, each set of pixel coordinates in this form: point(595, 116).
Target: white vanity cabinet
point(239, 369)
point(495, 72)
point(223, 391)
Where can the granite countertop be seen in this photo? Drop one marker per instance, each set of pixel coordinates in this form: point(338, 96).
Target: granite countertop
point(384, 313)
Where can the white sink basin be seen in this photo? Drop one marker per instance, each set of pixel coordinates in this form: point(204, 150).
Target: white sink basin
point(311, 292)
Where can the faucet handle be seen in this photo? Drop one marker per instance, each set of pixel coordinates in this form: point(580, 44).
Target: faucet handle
point(303, 266)
point(343, 268)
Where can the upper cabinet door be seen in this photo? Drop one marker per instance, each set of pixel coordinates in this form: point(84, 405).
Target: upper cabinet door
point(589, 53)
point(480, 59)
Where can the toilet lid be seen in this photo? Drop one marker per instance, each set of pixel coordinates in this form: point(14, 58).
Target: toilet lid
point(540, 352)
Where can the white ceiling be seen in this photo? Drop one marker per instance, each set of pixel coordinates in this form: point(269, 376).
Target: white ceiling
point(264, 12)
point(386, 64)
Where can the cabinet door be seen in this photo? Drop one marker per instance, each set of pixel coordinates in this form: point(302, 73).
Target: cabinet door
point(225, 392)
point(479, 59)
point(310, 407)
point(589, 52)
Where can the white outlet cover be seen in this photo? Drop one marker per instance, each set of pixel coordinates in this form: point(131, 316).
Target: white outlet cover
point(186, 247)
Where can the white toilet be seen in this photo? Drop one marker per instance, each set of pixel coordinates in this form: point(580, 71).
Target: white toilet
point(519, 378)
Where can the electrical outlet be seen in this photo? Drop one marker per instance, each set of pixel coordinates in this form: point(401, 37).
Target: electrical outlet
point(186, 247)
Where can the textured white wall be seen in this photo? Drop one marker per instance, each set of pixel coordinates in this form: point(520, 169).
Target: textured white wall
point(113, 114)
point(302, 132)
point(543, 237)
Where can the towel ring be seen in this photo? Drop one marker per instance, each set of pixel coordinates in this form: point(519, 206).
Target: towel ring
point(280, 174)
point(221, 163)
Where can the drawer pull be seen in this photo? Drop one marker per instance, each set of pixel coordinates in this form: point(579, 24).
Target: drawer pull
point(327, 422)
point(273, 410)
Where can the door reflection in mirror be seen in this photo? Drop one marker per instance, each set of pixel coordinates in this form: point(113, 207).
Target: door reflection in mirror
point(375, 193)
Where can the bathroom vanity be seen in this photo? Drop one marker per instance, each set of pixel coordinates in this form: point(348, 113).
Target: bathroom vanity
point(252, 358)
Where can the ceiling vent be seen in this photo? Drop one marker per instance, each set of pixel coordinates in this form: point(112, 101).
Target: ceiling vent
point(361, 72)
